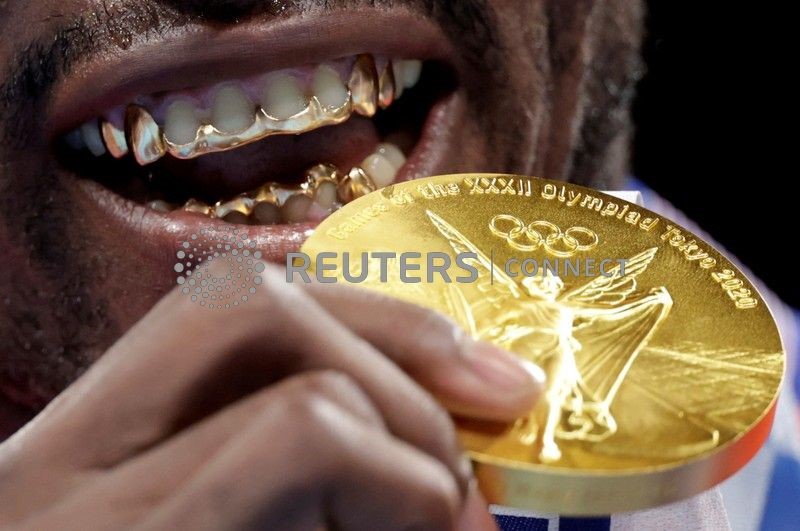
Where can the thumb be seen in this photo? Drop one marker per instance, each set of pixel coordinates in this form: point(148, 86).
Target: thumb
point(475, 515)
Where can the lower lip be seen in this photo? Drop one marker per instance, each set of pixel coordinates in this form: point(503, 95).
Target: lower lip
point(134, 222)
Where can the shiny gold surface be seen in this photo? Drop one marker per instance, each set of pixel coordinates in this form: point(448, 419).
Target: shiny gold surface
point(242, 205)
point(662, 376)
point(211, 140)
point(363, 86)
point(366, 90)
point(354, 185)
point(144, 135)
point(386, 86)
point(114, 140)
point(325, 186)
point(198, 207)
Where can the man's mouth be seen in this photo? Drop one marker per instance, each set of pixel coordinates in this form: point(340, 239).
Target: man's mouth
point(285, 146)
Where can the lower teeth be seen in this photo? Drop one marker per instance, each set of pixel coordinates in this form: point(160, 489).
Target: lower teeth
point(324, 190)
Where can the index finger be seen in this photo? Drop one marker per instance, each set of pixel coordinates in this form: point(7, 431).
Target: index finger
point(471, 378)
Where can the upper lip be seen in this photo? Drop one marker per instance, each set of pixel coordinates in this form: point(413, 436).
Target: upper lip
point(199, 56)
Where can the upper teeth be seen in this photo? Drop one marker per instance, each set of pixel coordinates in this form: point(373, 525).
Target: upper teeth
point(232, 119)
point(283, 97)
point(92, 139)
point(181, 122)
point(115, 140)
point(412, 70)
point(232, 111)
point(329, 89)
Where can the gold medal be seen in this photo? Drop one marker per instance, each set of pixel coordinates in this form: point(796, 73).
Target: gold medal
point(663, 362)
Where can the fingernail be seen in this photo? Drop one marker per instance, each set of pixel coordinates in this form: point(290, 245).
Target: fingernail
point(502, 368)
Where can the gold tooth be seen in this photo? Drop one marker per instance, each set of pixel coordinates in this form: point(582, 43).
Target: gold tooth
point(211, 140)
point(143, 135)
point(283, 193)
point(271, 202)
point(114, 139)
point(354, 185)
point(148, 144)
point(322, 182)
point(363, 85)
point(263, 194)
point(242, 204)
point(198, 207)
point(386, 86)
point(321, 173)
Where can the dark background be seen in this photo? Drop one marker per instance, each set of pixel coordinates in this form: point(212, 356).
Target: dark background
point(714, 132)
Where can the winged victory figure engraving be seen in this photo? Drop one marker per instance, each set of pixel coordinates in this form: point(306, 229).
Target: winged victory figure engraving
point(585, 338)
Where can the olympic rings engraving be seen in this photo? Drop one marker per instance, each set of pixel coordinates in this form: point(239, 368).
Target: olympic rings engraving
point(544, 234)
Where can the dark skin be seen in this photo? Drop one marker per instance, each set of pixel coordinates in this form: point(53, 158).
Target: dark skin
point(543, 89)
